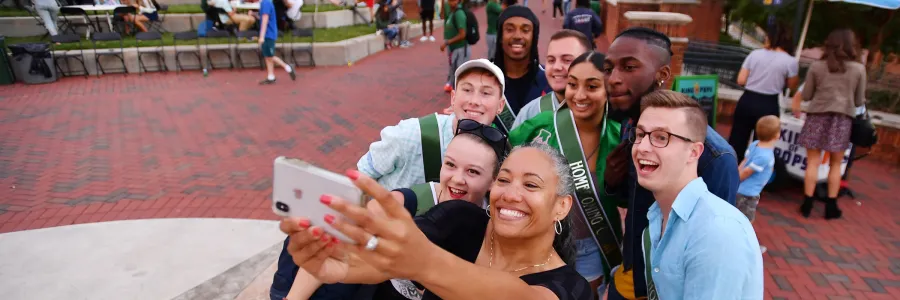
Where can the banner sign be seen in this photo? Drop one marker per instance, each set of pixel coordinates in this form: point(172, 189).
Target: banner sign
point(704, 89)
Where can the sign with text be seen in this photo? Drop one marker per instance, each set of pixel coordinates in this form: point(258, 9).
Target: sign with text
point(704, 89)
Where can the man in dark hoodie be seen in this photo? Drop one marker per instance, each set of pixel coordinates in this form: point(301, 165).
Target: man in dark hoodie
point(585, 20)
point(517, 55)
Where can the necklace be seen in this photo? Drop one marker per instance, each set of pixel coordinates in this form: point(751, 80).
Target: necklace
point(491, 262)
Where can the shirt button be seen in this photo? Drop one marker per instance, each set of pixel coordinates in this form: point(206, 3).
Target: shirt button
point(656, 270)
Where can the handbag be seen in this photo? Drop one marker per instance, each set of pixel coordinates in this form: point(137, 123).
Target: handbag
point(862, 132)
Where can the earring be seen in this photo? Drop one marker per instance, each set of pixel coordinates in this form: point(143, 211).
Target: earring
point(558, 227)
point(487, 211)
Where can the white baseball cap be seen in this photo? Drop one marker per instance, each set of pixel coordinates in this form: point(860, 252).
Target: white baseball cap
point(482, 63)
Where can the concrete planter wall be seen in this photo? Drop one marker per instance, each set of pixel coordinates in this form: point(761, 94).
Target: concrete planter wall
point(27, 26)
point(325, 54)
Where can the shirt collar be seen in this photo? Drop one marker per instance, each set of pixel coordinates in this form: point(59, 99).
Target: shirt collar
point(687, 199)
point(555, 101)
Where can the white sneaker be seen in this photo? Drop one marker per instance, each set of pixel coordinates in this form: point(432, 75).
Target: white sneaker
point(431, 38)
point(423, 38)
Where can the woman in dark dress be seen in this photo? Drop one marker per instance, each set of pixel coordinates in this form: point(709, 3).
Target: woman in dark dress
point(520, 248)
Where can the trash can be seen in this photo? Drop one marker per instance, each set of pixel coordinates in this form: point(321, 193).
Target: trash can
point(6, 75)
point(32, 63)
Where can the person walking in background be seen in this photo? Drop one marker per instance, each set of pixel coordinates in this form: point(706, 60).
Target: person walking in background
point(455, 40)
point(268, 33)
point(835, 86)
point(493, 10)
point(426, 13)
point(557, 6)
point(757, 167)
point(583, 19)
point(48, 10)
point(764, 74)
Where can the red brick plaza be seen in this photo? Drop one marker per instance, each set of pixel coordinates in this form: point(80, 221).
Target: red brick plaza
point(184, 146)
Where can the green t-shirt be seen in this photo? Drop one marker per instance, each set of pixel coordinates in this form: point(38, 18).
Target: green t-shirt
point(452, 26)
point(541, 128)
point(493, 10)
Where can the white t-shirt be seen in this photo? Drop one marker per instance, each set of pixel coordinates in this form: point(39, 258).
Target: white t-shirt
point(226, 6)
point(293, 12)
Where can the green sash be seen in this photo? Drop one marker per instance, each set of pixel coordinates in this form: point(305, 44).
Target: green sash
point(425, 197)
point(431, 147)
point(648, 272)
point(585, 186)
point(506, 117)
point(547, 102)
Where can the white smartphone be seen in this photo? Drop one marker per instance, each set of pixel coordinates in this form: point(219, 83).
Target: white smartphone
point(298, 186)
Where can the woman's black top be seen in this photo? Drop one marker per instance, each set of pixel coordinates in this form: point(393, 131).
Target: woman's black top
point(459, 227)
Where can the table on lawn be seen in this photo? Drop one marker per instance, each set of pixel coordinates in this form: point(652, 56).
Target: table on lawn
point(246, 6)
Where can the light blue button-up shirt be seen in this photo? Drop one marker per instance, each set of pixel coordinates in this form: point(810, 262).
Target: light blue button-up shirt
point(709, 249)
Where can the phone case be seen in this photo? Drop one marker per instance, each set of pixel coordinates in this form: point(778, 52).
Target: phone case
point(297, 187)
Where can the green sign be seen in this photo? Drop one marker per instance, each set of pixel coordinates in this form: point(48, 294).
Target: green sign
point(704, 89)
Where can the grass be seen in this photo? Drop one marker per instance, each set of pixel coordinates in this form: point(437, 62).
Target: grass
point(321, 35)
point(176, 9)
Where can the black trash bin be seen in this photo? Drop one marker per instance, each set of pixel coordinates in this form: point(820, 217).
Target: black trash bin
point(32, 63)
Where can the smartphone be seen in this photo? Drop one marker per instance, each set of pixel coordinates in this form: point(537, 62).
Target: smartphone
point(297, 187)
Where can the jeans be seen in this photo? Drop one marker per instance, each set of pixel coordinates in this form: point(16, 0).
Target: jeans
point(49, 14)
point(588, 261)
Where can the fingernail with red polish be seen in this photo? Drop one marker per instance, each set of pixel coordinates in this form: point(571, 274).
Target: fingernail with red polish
point(303, 223)
point(325, 199)
point(316, 232)
point(329, 219)
point(353, 174)
point(334, 240)
point(325, 238)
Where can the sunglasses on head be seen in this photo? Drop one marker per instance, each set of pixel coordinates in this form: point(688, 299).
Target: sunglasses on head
point(491, 135)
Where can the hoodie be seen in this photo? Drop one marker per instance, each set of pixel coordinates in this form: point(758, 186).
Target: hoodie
point(534, 84)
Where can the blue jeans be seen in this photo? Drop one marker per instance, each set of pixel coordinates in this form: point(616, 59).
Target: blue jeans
point(588, 261)
point(287, 271)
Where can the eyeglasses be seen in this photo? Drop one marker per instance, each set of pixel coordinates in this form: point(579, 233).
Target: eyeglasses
point(491, 135)
point(658, 138)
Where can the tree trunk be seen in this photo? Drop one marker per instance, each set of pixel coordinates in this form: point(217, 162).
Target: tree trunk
point(875, 45)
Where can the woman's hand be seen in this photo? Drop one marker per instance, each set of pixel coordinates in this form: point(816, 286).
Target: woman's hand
point(402, 250)
point(315, 251)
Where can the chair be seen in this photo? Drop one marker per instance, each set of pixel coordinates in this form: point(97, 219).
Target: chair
point(186, 36)
point(248, 34)
point(120, 53)
point(66, 56)
point(227, 51)
point(158, 52)
point(118, 20)
point(302, 33)
point(161, 10)
point(70, 26)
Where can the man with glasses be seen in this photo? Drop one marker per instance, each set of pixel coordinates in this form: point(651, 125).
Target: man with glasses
point(710, 250)
point(637, 63)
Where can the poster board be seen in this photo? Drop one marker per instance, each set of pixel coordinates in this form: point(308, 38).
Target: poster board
point(704, 89)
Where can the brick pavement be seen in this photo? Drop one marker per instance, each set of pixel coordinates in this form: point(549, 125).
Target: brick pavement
point(180, 145)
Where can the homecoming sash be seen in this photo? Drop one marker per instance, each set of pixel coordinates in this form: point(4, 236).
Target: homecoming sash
point(424, 196)
point(546, 102)
point(431, 147)
point(585, 189)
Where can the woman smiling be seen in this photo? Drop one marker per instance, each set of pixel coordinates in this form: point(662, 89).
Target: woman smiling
point(585, 136)
point(518, 249)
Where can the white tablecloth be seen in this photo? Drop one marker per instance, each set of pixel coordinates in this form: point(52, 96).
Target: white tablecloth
point(96, 7)
point(794, 156)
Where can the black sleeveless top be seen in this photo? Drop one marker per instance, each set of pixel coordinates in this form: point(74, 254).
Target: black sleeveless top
point(458, 227)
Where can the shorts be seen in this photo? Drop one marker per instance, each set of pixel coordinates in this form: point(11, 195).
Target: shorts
point(588, 261)
point(426, 15)
point(154, 16)
point(268, 48)
point(747, 205)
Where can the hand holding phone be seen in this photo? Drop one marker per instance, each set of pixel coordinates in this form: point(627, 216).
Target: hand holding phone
point(298, 186)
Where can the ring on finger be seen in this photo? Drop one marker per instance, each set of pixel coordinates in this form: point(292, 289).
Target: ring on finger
point(372, 243)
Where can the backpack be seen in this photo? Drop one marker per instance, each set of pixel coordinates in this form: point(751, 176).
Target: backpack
point(472, 36)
